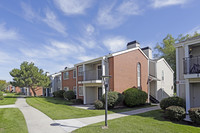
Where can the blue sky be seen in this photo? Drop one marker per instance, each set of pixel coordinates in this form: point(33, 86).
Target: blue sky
point(58, 33)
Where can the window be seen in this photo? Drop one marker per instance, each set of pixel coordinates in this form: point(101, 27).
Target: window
point(74, 89)
point(74, 73)
point(66, 88)
point(80, 71)
point(138, 75)
point(66, 75)
point(80, 90)
point(162, 75)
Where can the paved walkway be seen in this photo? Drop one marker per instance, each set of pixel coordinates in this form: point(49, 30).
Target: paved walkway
point(70, 125)
point(36, 121)
point(8, 106)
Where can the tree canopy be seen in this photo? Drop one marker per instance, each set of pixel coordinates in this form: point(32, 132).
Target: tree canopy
point(2, 84)
point(29, 76)
point(166, 48)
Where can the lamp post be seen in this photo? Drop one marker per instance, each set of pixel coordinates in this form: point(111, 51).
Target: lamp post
point(104, 78)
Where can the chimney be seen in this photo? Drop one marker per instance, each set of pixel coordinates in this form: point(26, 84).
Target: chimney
point(147, 51)
point(133, 44)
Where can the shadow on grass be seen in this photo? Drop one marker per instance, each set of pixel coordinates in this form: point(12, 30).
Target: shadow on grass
point(54, 100)
point(160, 116)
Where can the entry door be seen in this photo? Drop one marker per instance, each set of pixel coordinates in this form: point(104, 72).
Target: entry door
point(99, 93)
point(195, 95)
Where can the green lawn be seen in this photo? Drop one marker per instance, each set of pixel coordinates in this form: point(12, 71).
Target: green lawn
point(58, 109)
point(150, 122)
point(12, 121)
point(10, 98)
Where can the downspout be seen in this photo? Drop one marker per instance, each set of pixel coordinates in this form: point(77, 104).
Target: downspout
point(148, 84)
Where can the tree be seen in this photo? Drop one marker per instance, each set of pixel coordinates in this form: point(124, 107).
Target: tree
point(29, 76)
point(2, 85)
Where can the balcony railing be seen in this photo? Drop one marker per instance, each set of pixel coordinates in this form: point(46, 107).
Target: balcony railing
point(92, 75)
point(191, 65)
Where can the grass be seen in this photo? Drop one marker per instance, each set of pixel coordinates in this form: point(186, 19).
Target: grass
point(10, 98)
point(12, 121)
point(150, 122)
point(58, 109)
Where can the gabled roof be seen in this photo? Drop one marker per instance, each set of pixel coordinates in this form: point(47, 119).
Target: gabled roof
point(162, 59)
point(113, 54)
point(189, 41)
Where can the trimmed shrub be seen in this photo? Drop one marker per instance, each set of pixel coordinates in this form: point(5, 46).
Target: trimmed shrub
point(98, 104)
point(134, 97)
point(114, 98)
point(1, 96)
point(58, 93)
point(77, 101)
point(194, 114)
point(175, 113)
point(68, 95)
point(172, 101)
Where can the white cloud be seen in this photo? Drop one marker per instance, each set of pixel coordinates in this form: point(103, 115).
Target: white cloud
point(130, 7)
point(108, 18)
point(72, 7)
point(8, 34)
point(29, 14)
point(90, 29)
point(164, 3)
point(111, 16)
point(52, 21)
point(115, 43)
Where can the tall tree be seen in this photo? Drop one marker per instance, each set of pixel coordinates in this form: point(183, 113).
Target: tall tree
point(2, 85)
point(29, 76)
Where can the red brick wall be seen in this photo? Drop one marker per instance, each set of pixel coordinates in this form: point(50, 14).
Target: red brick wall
point(69, 82)
point(38, 91)
point(17, 89)
point(123, 69)
point(111, 72)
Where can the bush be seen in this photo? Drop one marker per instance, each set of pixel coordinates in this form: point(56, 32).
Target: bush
point(77, 101)
point(68, 95)
point(1, 96)
point(114, 98)
point(98, 104)
point(134, 97)
point(172, 101)
point(194, 114)
point(176, 113)
point(58, 93)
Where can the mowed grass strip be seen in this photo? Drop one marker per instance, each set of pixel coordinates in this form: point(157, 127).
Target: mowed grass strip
point(58, 109)
point(10, 98)
point(12, 121)
point(149, 122)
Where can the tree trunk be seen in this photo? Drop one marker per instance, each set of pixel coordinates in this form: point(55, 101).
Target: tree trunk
point(33, 90)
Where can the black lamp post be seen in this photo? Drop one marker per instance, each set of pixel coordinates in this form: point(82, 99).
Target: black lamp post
point(104, 78)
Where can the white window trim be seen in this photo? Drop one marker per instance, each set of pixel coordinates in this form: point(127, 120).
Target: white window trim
point(79, 90)
point(74, 76)
point(64, 75)
point(67, 88)
point(80, 74)
point(139, 76)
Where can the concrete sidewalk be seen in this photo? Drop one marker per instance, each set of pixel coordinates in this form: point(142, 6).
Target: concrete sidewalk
point(36, 121)
point(8, 106)
point(70, 125)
